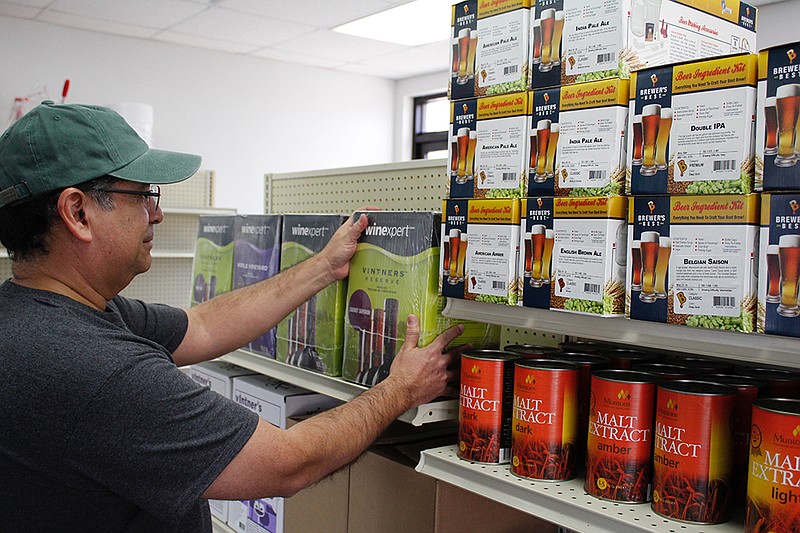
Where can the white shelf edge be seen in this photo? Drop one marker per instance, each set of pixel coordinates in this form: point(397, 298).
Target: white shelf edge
point(752, 347)
point(336, 387)
point(563, 503)
point(218, 526)
point(173, 254)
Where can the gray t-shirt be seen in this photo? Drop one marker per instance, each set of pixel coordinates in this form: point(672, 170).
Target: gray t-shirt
point(99, 430)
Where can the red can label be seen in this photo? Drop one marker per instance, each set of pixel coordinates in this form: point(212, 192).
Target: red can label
point(693, 456)
point(484, 411)
point(544, 423)
point(620, 440)
point(773, 484)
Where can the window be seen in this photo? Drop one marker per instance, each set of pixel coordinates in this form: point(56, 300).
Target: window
point(431, 122)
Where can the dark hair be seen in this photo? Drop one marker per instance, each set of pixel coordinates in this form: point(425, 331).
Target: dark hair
point(24, 228)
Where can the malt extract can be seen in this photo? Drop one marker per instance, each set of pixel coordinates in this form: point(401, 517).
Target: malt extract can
point(545, 420)
point(693, 451)
point(620, 440)
point(773, 484)
point(484, 407)
point(625, 358)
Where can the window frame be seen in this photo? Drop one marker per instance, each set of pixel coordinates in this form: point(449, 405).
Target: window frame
point(423, 142)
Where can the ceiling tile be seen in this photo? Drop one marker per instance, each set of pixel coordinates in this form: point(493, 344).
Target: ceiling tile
point(30, 3)
point(326, 43)
point(204, 42)
point(98, 25)
point(235, 26)
point(292, 57)
point(419, 59)
point(18, 11)
point(159, 14)
point(318, 13)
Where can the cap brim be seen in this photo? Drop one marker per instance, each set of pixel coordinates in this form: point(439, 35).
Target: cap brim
point(159, 166)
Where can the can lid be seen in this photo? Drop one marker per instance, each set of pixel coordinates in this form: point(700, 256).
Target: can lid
point(664, 369)
point(491, 355)
point(626, 376)
point(769, 374)
point(528, 349)
point(697, 387)
point(701, 363)
point(735, 381)
point(581, 358)
point(779, 405)
point(547, 364)
point(584, 346)
point(630, 354)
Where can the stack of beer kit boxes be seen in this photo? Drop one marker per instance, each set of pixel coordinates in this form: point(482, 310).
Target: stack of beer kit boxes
point(778, 176)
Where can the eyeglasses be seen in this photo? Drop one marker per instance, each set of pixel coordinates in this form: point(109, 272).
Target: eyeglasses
point(153, 196)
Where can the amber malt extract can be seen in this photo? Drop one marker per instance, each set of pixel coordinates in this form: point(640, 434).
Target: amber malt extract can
point(545, 420)
point(484, 409)
point(693, 451)
point(620, 440)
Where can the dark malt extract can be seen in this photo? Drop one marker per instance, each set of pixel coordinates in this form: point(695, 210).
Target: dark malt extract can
point(693, 451)
point(545, 420)
point(484, 409)
point(620, 440)
point(773, 484)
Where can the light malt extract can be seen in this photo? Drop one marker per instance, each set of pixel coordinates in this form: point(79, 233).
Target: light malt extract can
point(484, 408)
point(773, 484)
point(545, 420)
point(693, 451)
point(620, 441)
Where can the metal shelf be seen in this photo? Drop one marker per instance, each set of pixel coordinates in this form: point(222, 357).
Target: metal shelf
point(752, 347)
point(563, 503)
point(336, 387)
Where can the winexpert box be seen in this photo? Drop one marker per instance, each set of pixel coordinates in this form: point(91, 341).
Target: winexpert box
point(212, 269)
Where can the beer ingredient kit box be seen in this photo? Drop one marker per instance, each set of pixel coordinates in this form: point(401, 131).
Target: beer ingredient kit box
point(777, 135)
point(661, 32)
point(212, 270)
point(394, 273)
point(273, 401)
point(489, 52)
point(480, 239)
point(312, 337)
point(779, 264)
point(588, 263)
point(256, 257)
point(575, 41)
point(692, 260)
point(577, 139)
point(692, 128)
point(487, 146)
point(534, 270)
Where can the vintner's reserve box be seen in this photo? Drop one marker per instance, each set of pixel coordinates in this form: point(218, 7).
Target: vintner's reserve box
point(691, 127)
point(777, 135)
point(692, 260)
point(256, 257)
point(480, 243)
point(489, 52)
point(487, 146)
point(393, 273)
point(312, 336)
point(779, 264)
point(588, 263)
point(212, 270)
point(576, 139)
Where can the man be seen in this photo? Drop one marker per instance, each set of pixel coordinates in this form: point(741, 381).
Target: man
point(100, 430)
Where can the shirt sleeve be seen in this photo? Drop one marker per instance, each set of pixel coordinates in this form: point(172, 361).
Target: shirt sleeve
point(159, 323)
point(156, 437)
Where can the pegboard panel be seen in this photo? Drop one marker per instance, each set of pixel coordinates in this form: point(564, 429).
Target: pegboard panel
point(196, 192)
point(510, 335)
point(177, 233)
point(169, 281)
point(5, 265)
point(416, 185)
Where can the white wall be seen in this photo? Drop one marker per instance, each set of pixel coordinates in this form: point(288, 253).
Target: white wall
point(405, 92)
point(245, 116)
point(777, 23)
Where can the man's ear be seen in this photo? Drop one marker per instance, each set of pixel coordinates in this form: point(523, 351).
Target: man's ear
point(72, 208)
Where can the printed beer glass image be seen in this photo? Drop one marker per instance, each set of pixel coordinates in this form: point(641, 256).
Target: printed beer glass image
point(773, 275)
point(636, 266)
point(462, 257)
point(771, 126)
point(552, 144)
point(548, 25)
point(664, 126)
point(789, 258)
point(537, 41)
point(463, 53)
point(555, 47)
point(637, 140)
point(455, 245)
point(537, 244)
point(445, 255)
point(651, 118)
point(527, 245)
point(473, 45)
point(662, 266)
point(532, 162)
point(787, 105)
point(473, 140)
point(547, 256)
point(543, 136)
point(454, 158)
point(648, 244)
point(463, 147)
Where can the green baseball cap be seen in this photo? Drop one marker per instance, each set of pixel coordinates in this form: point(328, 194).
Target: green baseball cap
point(54, 146)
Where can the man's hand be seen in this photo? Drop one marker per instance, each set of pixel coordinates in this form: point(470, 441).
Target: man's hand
point(340, 249)
point(424, 373)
